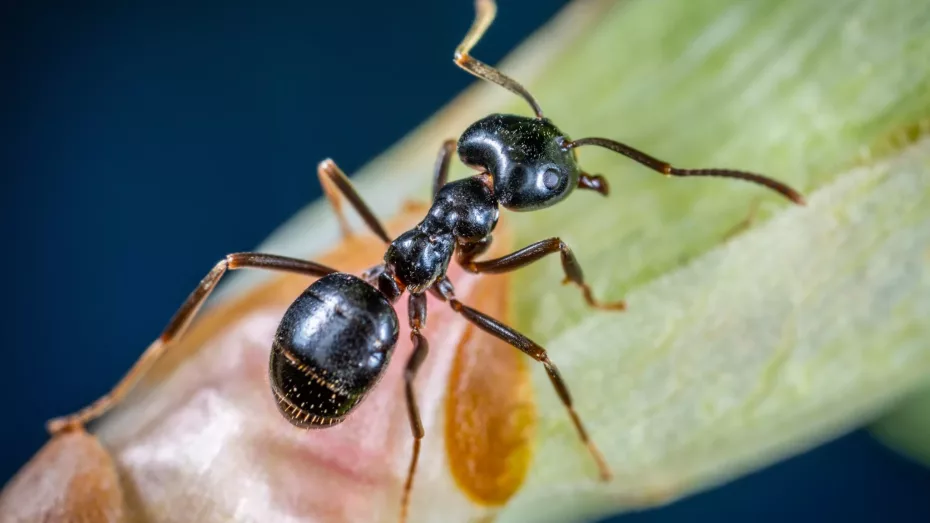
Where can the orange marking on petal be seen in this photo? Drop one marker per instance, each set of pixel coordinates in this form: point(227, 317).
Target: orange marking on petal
point(490, 414)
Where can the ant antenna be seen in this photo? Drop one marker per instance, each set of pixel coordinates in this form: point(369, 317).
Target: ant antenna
point(663, 167)
point(485, 10)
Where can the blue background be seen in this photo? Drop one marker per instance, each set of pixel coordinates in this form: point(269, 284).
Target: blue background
point(142, 140)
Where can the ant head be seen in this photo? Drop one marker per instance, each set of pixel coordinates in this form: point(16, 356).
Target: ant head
point(528, 159)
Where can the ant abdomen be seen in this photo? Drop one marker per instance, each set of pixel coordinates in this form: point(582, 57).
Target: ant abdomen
point(531, 167)
point(331, 348)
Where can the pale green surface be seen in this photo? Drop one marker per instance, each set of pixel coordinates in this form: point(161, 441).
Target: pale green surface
point(735, 353)
point(907, 427)
point(799, 329)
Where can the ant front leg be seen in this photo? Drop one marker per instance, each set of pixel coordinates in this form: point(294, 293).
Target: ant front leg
point(417, 312)
point(441, 172)
point(466, 252)
point(440, 176)
point(593, 182)
point(179, 323)
point(535, 252)
point(336, 185)
point(532, 349)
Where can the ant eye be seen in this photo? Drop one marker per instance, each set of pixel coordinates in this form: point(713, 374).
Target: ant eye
point(552, 178)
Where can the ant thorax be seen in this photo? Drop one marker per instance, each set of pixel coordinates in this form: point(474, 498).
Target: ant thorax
point(463, 212)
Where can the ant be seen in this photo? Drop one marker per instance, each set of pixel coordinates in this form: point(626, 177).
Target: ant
point(336, 339)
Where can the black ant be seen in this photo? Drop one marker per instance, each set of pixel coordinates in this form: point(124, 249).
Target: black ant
point(336, 339)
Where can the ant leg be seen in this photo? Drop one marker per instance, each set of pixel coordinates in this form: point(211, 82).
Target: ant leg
point(485, 10)
point(594, 182)
point(178, 325)
point(466, 252)
point(440, 176)
point(537, 251)
point(417, 312)
point(336, 185)
point(529, 347)
point(441, 172)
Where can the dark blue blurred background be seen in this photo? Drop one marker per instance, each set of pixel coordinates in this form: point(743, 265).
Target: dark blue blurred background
point(141, 141)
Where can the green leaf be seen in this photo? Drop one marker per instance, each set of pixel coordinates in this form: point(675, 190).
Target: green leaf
point(907, 427)
point(739, 350)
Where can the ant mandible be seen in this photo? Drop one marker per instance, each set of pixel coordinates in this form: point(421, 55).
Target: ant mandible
point(336, 339)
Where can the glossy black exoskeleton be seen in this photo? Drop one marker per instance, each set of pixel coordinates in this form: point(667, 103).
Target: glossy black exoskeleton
point(331, 349)
point(463, 212)
point(336, 339)
point(527, 157)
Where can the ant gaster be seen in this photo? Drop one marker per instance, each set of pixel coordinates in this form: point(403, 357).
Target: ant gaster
point(336, 339)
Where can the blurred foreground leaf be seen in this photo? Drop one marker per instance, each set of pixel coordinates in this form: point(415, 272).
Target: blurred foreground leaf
point(736, 352)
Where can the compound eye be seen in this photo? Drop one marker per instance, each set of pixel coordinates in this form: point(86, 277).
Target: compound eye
point(552, 178)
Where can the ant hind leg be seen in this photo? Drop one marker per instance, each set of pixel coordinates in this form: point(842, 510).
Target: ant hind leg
point(178, 324)
point(532, 349)
point(417, 307)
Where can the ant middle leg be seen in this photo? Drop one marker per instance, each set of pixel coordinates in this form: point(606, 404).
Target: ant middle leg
point(337, 185)
point(532, 349)
point(178, 324)
point(417, 313)
point(535, 252)
point(485, 11)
